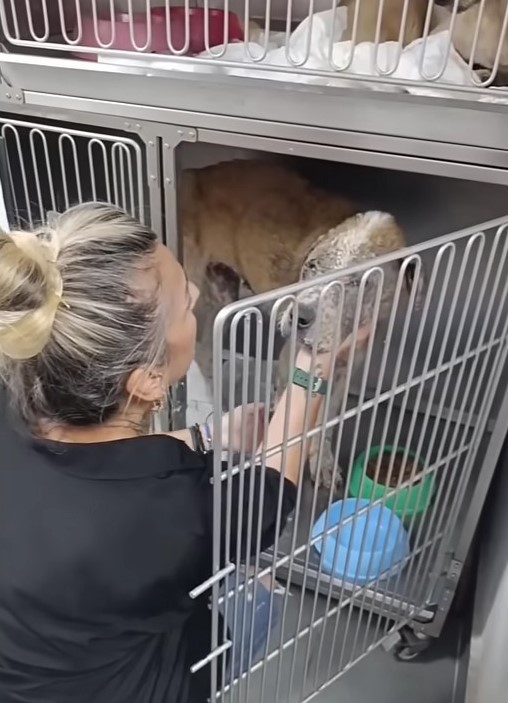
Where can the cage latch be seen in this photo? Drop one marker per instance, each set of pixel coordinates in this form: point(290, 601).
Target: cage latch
point(199, 590)
point(210, 657)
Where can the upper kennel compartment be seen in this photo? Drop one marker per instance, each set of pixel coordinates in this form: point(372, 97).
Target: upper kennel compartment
point(413, 46)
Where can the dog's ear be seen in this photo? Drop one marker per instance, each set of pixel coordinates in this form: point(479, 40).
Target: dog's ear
point(303, 252)
point(409, 274)
point(224, 282)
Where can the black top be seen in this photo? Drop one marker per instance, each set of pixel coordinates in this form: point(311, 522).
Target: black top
point(100, 545)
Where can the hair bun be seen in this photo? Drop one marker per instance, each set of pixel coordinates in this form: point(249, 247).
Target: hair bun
point(30, 292)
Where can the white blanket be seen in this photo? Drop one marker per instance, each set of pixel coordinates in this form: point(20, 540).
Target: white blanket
point(312, 46)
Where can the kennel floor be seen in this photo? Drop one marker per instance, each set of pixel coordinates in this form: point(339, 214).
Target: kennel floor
point(436, 676)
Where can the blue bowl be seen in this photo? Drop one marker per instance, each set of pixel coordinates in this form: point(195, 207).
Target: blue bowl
point(365, 547)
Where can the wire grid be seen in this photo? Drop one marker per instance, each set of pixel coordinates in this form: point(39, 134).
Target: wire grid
point(175, 31)
point(440, 373)
point(47, 168)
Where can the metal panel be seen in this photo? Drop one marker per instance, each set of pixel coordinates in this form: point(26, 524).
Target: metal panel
point(254, 106)
point(50, 167)
point(449, 352)
point(487, 674)
point(360, 156)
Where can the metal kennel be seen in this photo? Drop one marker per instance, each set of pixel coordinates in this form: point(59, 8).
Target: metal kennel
point(433, 380)
point(438, 390)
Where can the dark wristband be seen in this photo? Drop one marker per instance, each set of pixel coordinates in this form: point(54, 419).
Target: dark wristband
point(303, 379)
point(197, 439)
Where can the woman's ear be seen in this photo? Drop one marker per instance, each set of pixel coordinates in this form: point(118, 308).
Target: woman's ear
point(146, 386)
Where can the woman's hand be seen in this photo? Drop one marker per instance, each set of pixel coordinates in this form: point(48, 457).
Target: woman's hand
point(239, 426)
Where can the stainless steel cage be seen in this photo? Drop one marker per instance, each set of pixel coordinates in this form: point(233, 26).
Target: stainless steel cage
point(113, 129)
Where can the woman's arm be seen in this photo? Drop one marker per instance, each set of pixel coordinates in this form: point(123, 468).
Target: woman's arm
point(289, 419)
point(293, 414)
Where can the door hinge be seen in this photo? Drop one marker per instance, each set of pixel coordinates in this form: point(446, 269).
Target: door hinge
point(9, 92)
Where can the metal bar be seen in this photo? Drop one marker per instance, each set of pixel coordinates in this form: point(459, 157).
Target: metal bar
point(356, 432)
point(218, 333)
point(313, 352)
point(272, 571)
point(334, 350)
point(11, 129)
point(326, 412)
point(172, 237)
point(238, 632)
point(251, 450)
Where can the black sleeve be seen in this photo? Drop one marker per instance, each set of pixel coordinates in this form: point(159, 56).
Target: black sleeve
point(260, 501)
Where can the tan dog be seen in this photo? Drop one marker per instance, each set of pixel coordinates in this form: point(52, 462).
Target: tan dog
point(257, 217)
point(473, 16)
point(272, 227)
point(366, 12)
point(393, 21)
point(489, 20)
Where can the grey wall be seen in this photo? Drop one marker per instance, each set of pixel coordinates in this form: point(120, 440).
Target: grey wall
point(488, 673)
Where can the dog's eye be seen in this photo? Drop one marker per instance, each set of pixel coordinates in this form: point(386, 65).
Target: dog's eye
point(311, 267)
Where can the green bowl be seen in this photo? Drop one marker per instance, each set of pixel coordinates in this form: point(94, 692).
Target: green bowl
point(406, 502)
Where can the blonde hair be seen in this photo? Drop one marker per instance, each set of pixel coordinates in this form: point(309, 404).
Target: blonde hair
point(73, 324)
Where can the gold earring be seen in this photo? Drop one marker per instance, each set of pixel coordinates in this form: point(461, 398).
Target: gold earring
point(157, 405)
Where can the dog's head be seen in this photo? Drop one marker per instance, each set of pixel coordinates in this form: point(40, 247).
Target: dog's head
point(319, 308)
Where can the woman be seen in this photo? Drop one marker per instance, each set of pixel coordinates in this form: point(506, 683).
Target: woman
point(104, 531)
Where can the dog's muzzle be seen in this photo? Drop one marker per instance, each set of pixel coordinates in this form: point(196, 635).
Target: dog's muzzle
point(306, 317)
